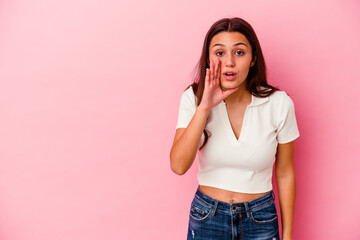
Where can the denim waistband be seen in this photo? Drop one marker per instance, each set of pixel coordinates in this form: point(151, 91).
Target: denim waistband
point(237, 206)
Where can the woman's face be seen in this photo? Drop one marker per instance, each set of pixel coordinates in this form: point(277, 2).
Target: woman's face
point(235, 54)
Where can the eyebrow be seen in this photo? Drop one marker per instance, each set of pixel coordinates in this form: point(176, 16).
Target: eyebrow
point(236, 44)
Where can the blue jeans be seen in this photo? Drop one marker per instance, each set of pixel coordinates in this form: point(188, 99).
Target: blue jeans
point(212, 219)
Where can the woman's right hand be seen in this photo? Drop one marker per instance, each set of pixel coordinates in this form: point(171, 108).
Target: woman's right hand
point(213, 94)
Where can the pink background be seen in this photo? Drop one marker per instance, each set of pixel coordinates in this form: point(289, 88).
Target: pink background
point(89, 94)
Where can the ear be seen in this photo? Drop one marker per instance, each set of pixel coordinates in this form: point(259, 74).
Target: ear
point(253, 62)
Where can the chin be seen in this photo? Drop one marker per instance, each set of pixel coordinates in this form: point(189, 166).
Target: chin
point(231, 84)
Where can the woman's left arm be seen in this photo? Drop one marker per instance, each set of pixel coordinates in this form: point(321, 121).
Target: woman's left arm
point(285, 178)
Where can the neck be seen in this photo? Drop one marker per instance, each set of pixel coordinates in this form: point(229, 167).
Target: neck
point(240, 96)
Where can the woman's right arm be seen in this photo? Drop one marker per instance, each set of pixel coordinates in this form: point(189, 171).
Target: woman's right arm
point(186, 141)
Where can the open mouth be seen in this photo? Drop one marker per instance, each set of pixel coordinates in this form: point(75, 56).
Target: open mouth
point(229, 75)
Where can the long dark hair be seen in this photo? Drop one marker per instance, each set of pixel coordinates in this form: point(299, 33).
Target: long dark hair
point(257, 73)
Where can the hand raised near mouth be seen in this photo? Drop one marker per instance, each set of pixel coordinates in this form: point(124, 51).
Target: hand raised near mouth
point(213, 94)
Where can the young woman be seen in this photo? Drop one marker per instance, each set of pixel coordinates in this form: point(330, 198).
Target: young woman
point(240, 124)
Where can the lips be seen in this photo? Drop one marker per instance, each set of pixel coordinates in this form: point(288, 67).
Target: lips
point(229, 75)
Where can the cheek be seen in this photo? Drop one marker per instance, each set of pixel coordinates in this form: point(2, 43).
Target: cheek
point(245, 65)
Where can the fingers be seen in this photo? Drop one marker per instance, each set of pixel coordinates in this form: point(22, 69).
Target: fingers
point(211, 72)
point(218, 71)
point(207, 78)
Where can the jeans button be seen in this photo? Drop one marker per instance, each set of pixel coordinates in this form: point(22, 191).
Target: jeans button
point(234, 207)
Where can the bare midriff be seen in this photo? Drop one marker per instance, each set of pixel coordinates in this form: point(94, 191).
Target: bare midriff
point(229, 196)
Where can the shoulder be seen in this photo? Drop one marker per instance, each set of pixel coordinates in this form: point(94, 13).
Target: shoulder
point(188, 97)
point(281, 104)
point(277, 97)
point(188, 94)
point(280, 98)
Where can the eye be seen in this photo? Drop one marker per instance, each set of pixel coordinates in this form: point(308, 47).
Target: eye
point(219, 52)
point(240, 52)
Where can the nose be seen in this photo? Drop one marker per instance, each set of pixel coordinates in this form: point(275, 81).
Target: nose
point(229, 61)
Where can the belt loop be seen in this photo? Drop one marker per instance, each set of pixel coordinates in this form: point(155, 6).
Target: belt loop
point(214, 208)
point(247, 209)
point(273, 194)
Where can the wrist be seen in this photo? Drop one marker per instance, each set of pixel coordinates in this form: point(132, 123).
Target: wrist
point(287, 236)
point(204, 109)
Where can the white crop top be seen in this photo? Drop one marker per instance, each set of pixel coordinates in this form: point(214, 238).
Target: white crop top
point(245, 164)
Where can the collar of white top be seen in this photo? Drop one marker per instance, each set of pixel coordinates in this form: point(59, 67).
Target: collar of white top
point(255, 101)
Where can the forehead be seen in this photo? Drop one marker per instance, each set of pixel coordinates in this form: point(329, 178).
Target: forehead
point(229, 39)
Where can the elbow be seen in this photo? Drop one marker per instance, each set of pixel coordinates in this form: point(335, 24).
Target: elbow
point(175, 166)
point(178, 171)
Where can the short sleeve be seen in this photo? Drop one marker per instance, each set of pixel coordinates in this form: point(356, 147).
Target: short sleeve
point(287, 130)
point(187, 108)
